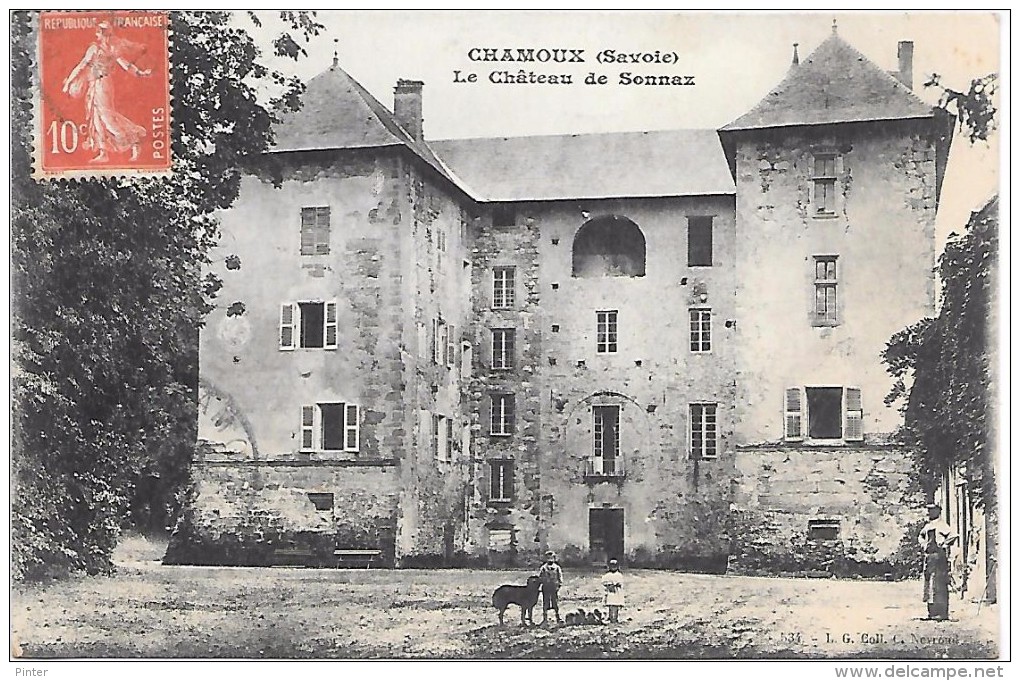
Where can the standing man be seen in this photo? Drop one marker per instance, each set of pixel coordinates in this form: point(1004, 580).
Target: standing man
point(935, 539)
point(551, 577)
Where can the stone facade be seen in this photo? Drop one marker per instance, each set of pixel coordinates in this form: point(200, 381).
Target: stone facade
point(840, 511)
point(673, 505)
point(577, 368)
point(395, 263)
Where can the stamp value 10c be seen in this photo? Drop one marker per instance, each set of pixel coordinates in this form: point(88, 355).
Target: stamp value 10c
point(103, 105)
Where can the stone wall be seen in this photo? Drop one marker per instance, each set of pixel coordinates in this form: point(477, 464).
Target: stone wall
point(501, 246)
point(868, 494)
point(245, 514)
point(882, 232)
point(675, 506)
point(433, 523)
point(396, 255)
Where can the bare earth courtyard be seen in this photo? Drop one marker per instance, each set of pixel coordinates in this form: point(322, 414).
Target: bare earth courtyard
point(148, 610)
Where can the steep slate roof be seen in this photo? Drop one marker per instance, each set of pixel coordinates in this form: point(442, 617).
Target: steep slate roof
point(607, 165)
point(835, 84)
point(337, 112)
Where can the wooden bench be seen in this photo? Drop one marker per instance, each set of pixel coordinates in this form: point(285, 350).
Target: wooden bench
point(292, 557)
point(356, 557)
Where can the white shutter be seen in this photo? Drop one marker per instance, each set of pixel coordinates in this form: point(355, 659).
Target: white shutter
point(307, 427)
point(854, 415)
point(288, 326)
point(793, 411)
point(451, 345)
point(330, 326)
point(352, 434)
point(435, 341)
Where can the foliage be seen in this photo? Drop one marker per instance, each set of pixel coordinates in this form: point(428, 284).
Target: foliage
point(975, 108)
point(948, 360)
point(108, 297)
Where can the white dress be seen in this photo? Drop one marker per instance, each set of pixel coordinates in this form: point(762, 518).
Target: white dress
point(612, 582)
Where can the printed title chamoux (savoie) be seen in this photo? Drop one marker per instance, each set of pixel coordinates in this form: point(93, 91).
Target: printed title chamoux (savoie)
point(566, 55)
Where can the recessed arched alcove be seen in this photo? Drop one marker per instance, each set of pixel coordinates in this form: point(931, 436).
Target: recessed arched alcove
point(609, 246)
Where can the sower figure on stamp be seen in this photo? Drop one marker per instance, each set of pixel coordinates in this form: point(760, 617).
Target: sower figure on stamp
point(935, 539)
point(108, 130)
point(551, 576)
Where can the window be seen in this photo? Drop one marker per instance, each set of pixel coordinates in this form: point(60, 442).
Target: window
point(440, 239)
point(501, 540)
point(503, 287)
point(502, 348)
point(825, 291)
point(440, 341)
point(465, 359)
point(501, 480)
point(502, 421)
point(315, 231)
point(607, 440)
point(330, 426)
point(608, 246)
point(704, 431)
point(605, 331)
point(823, 529)
point(825, 413)
point(308, 325)
point(504, 216)
point(442, 440)
point(833, 413)
point(824, 181)
point(322, 501)
point(701, 330)
point(699, 241)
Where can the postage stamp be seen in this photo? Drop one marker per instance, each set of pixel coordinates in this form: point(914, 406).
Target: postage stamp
point(103, 104)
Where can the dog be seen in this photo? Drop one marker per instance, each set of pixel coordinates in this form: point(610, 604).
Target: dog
point(524, 596)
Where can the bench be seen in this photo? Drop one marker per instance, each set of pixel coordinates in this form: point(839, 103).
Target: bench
point(356, 557)
point(292, 557)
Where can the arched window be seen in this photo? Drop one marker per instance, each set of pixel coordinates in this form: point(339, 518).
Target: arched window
point(609, 246)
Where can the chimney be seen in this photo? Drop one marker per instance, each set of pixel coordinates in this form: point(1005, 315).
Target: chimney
point(905, 54)
point(407, 107)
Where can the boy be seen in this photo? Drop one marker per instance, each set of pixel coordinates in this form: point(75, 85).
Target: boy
point(551, 576)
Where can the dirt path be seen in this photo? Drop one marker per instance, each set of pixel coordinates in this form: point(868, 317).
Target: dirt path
point(148, 610)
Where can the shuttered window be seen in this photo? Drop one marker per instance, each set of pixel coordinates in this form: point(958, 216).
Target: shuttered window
point(330, 426)
point(854, 415)
point(823, 413)
point(309, 325)
point(287, 326)
point(315, 230)
point(794, 415)
point(307, 427)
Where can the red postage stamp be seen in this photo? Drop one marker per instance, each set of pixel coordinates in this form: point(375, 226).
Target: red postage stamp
point(104, 94)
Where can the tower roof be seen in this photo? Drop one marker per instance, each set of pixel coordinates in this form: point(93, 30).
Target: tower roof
point(337, 112)
point(835, 84)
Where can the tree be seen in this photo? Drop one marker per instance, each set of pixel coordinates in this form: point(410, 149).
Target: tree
point(108, 295)
point(975, 109)
point(949, 359)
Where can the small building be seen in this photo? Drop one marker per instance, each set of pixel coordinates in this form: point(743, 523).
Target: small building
point(470, 351)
